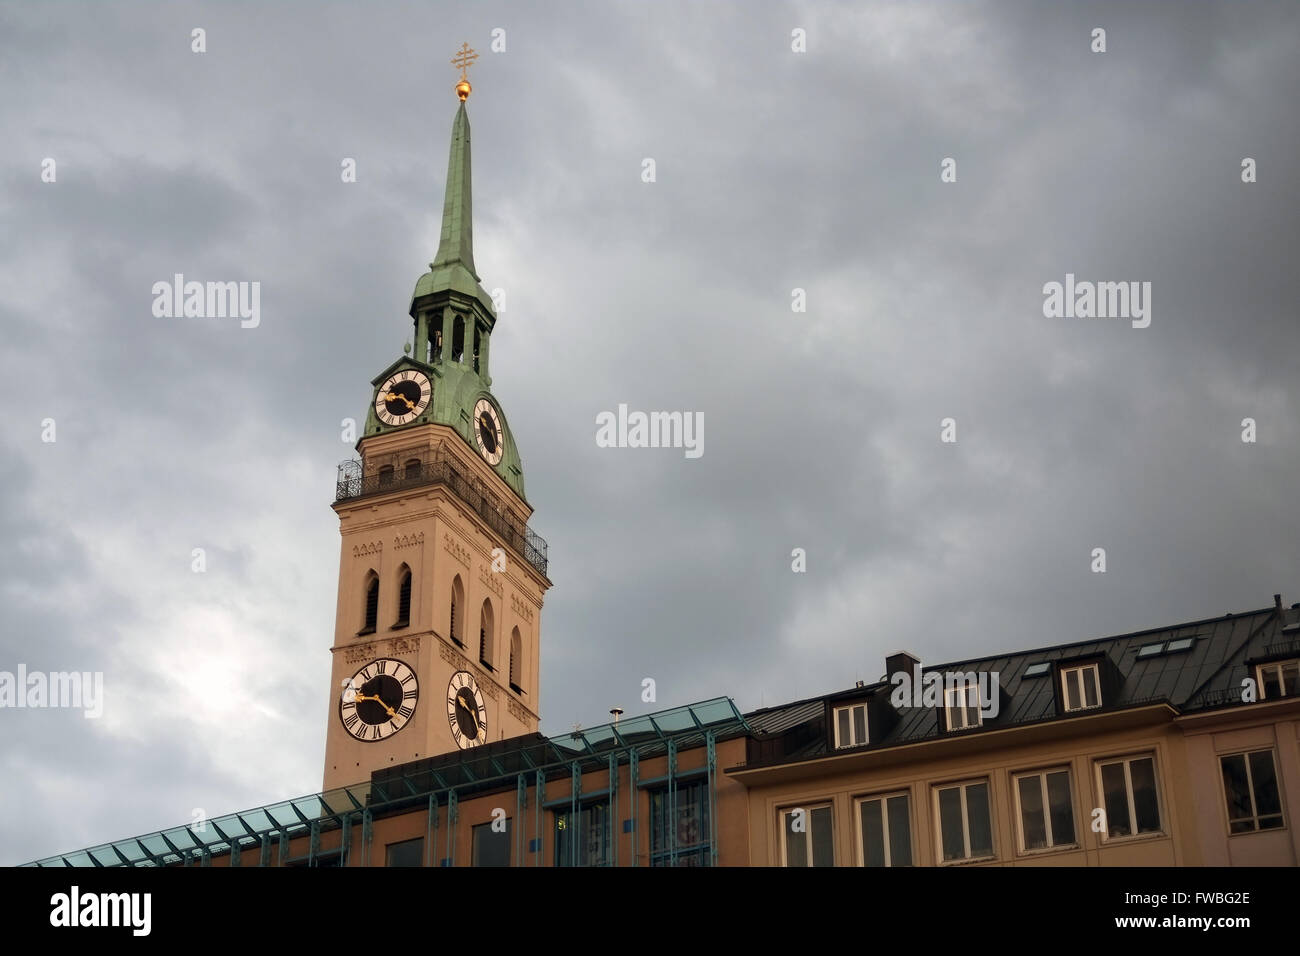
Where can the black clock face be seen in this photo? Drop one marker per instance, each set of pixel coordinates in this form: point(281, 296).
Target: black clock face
point(487, 431)
point(466, 711)
point(378, 700)
point(402, 397)
point(466, 708)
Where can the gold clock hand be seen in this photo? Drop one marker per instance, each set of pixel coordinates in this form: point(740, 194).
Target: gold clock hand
point(378, 700)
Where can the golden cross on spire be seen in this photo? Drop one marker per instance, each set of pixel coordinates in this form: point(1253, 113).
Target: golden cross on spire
point(463, 58)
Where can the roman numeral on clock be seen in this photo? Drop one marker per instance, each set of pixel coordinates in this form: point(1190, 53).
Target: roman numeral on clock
point(405, 712)
point(380, 666)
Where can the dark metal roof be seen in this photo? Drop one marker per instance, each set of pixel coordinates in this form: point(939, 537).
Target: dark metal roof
point(1209, 674)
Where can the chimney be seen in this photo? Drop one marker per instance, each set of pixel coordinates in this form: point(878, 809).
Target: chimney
point(901, 662)
point(1277, 602)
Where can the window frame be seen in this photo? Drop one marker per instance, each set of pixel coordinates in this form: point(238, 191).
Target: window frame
point(1069, 672)
point(962, 786)
point(883, 798)
point(1254, 803)
point(968, 686)
point(476, 829)
point(389, 847)
point(783, 812)
point(1042, 773)
point(866, 725)
point(590, 808)
point(1279, 666)
point(1161, 809)
point(661, 851)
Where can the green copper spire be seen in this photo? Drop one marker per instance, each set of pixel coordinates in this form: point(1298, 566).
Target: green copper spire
point(453, 267)
point(457, 244)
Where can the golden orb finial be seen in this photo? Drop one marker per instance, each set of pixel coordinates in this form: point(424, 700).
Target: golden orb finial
point(463, 58)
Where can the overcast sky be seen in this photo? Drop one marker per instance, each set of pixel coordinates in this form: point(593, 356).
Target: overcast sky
point(775, 170)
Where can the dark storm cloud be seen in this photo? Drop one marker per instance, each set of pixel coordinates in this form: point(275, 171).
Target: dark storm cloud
point(775, 171)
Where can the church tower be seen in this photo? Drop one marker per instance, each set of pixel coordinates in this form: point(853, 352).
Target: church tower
point(440, 579)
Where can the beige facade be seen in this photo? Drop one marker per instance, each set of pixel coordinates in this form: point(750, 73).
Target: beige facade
point(429, 531)
point(1193, 815)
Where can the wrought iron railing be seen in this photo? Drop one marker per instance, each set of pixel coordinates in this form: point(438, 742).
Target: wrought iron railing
point(358, 480)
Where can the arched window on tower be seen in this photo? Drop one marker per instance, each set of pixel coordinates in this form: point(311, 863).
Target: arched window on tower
point(457, 605)
point(412, 469)
point(404, 597)
point(478, 341)
point(458, 339)
point(516, 661)
point(371, 594)
point(385, 476)
point(486, 634)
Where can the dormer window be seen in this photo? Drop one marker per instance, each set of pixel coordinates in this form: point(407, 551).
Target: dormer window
point(850, 726)
point(1081, 687)
point(961, 706)
point(1278, 679)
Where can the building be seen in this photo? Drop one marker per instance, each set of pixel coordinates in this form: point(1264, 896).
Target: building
point(1179, 746)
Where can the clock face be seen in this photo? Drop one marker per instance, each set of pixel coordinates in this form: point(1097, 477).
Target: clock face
point(402, 397)
point(465, 711)
point(487, 430)
point(378, 700)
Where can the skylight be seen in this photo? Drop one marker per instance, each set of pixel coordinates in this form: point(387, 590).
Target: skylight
point(1150, 650)
point(1181, 644)
point(1039, 669)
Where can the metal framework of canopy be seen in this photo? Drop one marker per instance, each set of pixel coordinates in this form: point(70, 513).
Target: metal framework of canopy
point(267, 831)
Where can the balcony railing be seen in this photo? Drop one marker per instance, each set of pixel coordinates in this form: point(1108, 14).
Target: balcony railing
point(356, 480)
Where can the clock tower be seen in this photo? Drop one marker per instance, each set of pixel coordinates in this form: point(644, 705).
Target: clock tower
point(440, 578)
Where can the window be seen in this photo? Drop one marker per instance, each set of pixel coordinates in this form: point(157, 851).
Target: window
point(808, 837)
point(962, 706)
point(1128, 791)
point(689, 825)
point(404, 599)
point(457, 601)
point(965, 826)
point(478, 338)
point(486, 634)
point(372, 604)
point(1045, 810)
point(885, 830)
point(851, 725)
point(1250, 786)
point(406, 853)
point(1151, 650)
point(1279, 679)
point(1181, 644)
point(386, 476)
point(583, 839)
point(458, 339)
point(1081, 687)
point(1039, 669)
point(411, 471)
point(516, 661)
point(492, 847)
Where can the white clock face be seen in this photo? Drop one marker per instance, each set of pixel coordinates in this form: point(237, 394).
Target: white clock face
point(487, 431)
point(378, 700)
point(403, 396)
point(466, 711)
